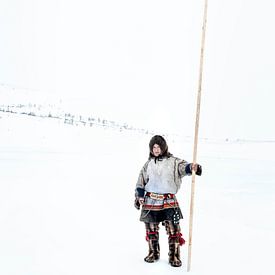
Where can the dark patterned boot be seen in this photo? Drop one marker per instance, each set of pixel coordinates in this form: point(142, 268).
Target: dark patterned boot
point(175, 240)
point(174, 254)
point(154, 250)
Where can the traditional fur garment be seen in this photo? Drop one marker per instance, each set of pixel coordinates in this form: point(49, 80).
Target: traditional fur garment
point(155, 211)
point(159, 204)
point(158, 183)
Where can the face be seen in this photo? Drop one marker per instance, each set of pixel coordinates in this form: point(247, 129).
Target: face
point(156, 150)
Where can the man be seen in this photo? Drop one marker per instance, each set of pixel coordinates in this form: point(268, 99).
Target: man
point(158, 182)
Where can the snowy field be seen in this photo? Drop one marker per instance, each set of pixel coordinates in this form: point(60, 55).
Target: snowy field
point(66, 203)
point(67, 191)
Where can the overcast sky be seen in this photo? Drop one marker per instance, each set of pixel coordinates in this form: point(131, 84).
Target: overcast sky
point(138, 61)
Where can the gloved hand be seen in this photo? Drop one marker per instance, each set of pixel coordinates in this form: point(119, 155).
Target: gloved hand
point(193, 167)
point(138, 202)
point(197, 168)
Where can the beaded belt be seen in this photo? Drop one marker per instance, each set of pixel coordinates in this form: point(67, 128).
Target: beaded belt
point(156, 196)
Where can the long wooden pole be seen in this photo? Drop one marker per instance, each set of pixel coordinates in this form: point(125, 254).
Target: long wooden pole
point(196, 136)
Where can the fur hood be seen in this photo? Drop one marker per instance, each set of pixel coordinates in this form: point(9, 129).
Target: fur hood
point(159, 140)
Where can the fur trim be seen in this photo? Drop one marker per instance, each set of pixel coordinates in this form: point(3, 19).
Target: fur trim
point(159, 140)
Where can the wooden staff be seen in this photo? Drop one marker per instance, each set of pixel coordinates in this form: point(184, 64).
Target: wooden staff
point(196, 137)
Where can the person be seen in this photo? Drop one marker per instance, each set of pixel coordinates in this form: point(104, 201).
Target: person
point(158, 182)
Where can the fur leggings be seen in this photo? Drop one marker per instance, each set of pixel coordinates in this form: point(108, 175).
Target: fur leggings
point(172, 230)
point(175, 240)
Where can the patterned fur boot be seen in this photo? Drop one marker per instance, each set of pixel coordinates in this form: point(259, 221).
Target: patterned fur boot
point(154, 250)
point(175, 240)
point(174, 254)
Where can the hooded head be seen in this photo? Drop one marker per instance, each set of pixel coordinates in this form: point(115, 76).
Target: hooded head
point(161, 142)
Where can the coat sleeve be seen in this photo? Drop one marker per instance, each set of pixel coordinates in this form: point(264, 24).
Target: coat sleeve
point(141, 182)
point(184, 168)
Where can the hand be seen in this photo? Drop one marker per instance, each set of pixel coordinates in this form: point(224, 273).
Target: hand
point(141, 201)
point(138, 202)
point(197, 169)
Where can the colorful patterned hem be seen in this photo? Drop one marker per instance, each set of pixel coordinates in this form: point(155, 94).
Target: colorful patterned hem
point(156, 204)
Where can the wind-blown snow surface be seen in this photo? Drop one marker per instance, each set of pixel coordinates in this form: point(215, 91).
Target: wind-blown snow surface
point(66, 203)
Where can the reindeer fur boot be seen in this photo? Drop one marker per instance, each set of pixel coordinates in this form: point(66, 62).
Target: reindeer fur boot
point(174, 254)
point(154, 250)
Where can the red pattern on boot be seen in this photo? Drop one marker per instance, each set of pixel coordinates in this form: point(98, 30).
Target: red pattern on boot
point(179, 236)
point(150, 233)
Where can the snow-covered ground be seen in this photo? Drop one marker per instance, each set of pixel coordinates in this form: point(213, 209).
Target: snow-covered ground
point(66, 202)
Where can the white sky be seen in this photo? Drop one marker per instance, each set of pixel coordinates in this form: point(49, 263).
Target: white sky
point(138, 61)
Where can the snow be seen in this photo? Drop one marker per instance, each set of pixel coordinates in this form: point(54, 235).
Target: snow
point(66, 190)
point(66, 202)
